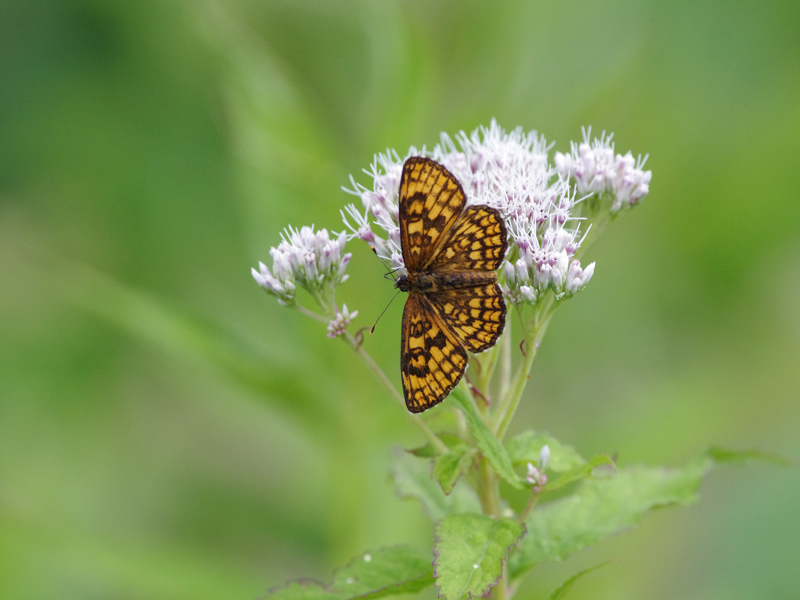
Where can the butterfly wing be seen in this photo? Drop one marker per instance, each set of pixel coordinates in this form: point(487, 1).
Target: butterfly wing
point(477, 315)
point(477, 242)
point(431, 201)
point(432, 360)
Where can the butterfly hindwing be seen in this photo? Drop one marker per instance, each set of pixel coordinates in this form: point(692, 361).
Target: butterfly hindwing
point(476, 315)
point(432, 359)
point(431, 200)
point(477, 242)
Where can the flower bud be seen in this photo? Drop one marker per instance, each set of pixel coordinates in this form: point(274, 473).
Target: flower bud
point(544, 457)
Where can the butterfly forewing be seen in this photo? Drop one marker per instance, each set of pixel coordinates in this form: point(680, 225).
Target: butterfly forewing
point(477, 242)
point(431, 200)
point(476, 314)
point(432, 358)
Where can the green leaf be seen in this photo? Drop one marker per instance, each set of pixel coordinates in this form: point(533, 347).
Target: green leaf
point(722, 456)
point(412, 478)
point(565, 587)
point(447, 468)
point(491, 447)
point(525, 448)
point(385, 572)
point(578, 473)
point(603, 507)
point(469, 553)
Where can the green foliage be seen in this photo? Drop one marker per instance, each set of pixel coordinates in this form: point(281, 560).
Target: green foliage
point(469, 553)
point(447, 468)
point(564, 588)
point(491, 447)
point(385, 572)
point(525, 447)
point(604, 507)
point(412, 479)
point(720, 455)
point(578, 473)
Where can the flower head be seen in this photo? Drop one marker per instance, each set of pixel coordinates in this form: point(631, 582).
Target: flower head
point(306, 258)
point(536, 478)
point(339, 324)
point(381, 207)
point(597, 170)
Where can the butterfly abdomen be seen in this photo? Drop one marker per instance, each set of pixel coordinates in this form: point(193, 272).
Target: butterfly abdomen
point(463, 279)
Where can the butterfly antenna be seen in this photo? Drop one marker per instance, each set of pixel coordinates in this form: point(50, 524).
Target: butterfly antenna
point(389, 271)
point(372, 329)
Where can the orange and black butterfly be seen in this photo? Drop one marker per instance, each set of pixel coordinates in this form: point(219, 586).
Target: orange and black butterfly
point(451, 253)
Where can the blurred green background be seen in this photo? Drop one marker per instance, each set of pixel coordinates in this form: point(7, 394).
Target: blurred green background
point(168, 432)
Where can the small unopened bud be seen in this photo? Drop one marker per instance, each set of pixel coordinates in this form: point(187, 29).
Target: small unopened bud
point(544, 458)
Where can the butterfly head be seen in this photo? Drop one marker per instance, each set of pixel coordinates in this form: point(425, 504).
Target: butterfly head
point(402, 283)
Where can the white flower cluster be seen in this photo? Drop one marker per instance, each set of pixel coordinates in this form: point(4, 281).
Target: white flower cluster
point(338, 324)
point(596, 169)
point(510, 172)
point(306, 258)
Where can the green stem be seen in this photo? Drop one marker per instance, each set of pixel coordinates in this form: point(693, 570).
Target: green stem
point(505, 364)
point(534, 500)
point(484, 487)
point(393, 391)
point(311, 314)
point(534, 335)
point(383, 379)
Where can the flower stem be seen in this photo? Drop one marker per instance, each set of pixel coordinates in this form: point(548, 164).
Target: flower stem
point(534, 500)
point(381, 376)
point(383, 379)
point(505, 364)
point(532, 338)
point(311, 314)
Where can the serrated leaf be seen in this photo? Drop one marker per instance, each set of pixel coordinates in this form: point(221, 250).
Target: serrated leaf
point(447, 468)
point(412, 478)
point(603, 507)
point(525, 448)
point(606, 506)
point(565, 587)
point(469, 553)
point(491, 447)
point(385, 572)
point(579, 473)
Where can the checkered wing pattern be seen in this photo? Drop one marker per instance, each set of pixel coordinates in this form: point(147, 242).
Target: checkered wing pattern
point(476, 315)
point(432, 359)
point(477, 242)
point(431, 201)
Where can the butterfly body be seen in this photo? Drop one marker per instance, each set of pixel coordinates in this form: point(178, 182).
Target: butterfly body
point(451, 253)
point(427, 281)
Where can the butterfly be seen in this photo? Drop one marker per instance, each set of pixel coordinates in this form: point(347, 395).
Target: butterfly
point(451, 252)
